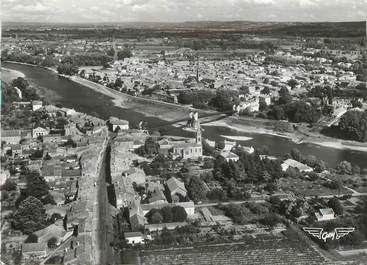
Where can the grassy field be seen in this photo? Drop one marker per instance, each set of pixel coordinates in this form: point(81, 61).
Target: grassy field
point(305, 187)
point(260, 250)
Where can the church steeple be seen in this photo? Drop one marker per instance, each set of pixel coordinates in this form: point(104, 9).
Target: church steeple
point(198, 133)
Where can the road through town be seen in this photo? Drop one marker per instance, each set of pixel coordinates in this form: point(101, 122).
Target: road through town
point(104, 218)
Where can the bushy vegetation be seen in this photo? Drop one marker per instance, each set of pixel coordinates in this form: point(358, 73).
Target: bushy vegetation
point(46, 59)
point(67, 69)
point(221, 100)
point(9, 94)
point(250, 168)
point(353, 125)
point(294, 111)
point(199, 99)
point(196, 189)
point(149, 148)
point(30, 216)
point(167, 215)
point(36, 187)
point(238, 213)
point(23, 118)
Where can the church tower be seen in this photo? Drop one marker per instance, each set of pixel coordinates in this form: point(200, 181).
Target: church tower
point(198, 133)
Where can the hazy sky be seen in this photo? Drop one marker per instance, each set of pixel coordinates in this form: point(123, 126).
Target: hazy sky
point(182, 10)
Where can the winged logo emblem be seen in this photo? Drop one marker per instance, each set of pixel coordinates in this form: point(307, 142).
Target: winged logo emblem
point(323, 235)
point(340, 232)
point(316, 232)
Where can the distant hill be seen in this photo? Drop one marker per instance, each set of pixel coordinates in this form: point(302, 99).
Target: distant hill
point(307, 29)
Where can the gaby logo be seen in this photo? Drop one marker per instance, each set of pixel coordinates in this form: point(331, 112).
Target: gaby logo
point(321, 234)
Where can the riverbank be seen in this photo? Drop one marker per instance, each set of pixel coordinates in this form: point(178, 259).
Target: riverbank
point(7, 75)
point(297, 137)
point(34, 65)
point(149, 107)
point(177, 113)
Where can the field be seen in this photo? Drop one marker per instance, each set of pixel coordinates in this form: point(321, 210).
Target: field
point(198, 29)
point(356, 182)
point(305, 187)
point(260, 250)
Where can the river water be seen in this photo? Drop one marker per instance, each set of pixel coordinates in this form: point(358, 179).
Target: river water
point(69, 94)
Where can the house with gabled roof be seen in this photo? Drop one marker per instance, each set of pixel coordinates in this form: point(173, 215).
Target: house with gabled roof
point(229, 156)
point(157, 196)
point(40, 131)
point(134, 238)
point(53, 230)
point(36, 105)
point(295, 164)
point(176, 187)
point(325, 214)
point(136, 215)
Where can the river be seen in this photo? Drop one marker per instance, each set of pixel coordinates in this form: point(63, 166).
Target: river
point(60, 90)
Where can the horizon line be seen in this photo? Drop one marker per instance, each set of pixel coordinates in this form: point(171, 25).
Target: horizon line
point(179, 22)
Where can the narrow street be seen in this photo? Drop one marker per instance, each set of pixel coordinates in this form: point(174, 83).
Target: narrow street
point(104, 226)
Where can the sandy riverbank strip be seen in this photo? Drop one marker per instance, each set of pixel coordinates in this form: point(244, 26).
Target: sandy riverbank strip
point(321, 140)
point(7, 75)
point(149, 107)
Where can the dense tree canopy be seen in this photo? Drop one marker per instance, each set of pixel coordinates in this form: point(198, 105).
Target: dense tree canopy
point(353, 125)
point(224, 100)
point(335, 204)
point(125, 53)
point(250, 168)
point(156, 218)
point(179, 214)
point(89, 59)
point(196, 189)
point(238, 213)
point(150, 147)
point(9, 185)
point(300, 111)
point(199, 98)
point(32, 238)
point(167, 215)
point(284, 96)
point(292, 83)
point(8, 96)
point(36, 187)
point(67, 69)
point(30, 216)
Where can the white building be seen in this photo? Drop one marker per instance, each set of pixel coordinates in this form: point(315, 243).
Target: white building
point(295, 164)
point(188, 206)
point(229, 156)
point(39, 131)
point(36, 104)
point(325, 214)
point(117, 123)
point(249, 150)
point(134, 238)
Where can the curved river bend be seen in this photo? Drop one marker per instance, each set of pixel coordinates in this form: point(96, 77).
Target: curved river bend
point(61, 90)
